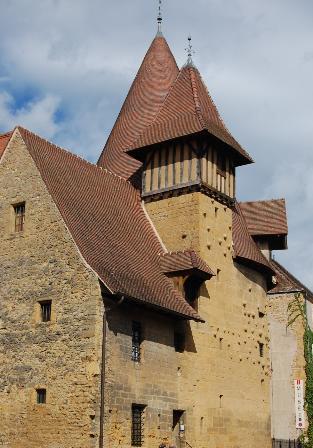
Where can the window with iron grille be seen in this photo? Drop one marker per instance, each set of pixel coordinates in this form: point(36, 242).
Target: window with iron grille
point(45, 308)
point(41, 396)
point(136, 341)
point(19, 211)
point(137, 424)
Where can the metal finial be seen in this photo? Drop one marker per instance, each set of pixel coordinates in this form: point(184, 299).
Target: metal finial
point(160, 17)
point(190, 51)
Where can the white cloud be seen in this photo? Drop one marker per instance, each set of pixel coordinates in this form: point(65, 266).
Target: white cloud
point(36, 115)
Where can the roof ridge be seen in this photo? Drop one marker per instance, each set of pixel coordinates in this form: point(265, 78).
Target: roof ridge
point(195, 95)
point(72, 154)
point(7, 133)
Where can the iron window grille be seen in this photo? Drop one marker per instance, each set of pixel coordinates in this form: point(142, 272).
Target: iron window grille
point(137, 435)
point(136, 341)
point(41, 396)
point(19, 211)
point(45, 311)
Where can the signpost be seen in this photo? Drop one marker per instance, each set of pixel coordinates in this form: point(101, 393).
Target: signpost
point(299, 404)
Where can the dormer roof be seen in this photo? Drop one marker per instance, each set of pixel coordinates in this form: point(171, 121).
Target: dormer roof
point(267, 220)
point(188, 109)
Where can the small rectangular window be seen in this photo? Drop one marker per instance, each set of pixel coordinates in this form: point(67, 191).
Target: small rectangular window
point(137, 435)
point(136, 341)
point(41, 396)
point(45, 308)
point(261, 349)
point(19, 212)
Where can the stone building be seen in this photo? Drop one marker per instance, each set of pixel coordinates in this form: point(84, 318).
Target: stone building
point(134, 292)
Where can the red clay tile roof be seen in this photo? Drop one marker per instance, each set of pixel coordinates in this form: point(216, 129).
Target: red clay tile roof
point(188, 260)
point(188, 109)
point(265, 217)
point(245, 249)
point(287, 283)
point(4, 140)
point(147, 93)
point(105, 217)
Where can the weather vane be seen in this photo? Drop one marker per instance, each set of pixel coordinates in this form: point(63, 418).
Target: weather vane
point(190, 51)
point(160, 17)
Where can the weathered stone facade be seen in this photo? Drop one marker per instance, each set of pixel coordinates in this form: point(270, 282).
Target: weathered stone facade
point(62, 356)
point(223, 382)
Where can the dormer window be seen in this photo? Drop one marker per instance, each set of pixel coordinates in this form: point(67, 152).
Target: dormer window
point(19, 213)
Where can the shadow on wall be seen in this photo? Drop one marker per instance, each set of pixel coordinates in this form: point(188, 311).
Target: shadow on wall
point(156, 326)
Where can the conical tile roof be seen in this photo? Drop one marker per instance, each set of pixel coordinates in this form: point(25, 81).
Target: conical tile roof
point(188, 109)
point(147, 93)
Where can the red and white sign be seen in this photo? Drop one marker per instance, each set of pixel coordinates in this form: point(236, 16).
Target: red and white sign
point(299, 404)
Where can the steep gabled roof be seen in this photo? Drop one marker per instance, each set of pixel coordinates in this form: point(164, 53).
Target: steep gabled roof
point(265, 217)
point(105, 217)
point(147, 93)
point(4, 140)
point(245, 249)
point(287, 283)
point(188, 109)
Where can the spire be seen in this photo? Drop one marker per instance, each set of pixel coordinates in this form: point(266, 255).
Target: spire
point(149, 89)
point(159, 33)
point(190, 51)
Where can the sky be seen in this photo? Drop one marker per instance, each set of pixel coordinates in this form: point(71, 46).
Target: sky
point(66, 67)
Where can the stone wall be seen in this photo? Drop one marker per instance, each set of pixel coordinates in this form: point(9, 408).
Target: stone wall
point(288, 364)
point(42, 263)
point(152, 382)
point(223, 382)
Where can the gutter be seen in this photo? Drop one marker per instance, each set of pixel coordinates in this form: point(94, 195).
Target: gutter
point(102, 389)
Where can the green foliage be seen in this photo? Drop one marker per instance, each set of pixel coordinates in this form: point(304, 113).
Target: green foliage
point(297, 310)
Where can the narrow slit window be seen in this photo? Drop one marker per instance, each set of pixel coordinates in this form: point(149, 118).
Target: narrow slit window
point(136, 341)
point(41, 396)
point(19, 212)
point(261, 349)
point(137, 434)
point(45, 309)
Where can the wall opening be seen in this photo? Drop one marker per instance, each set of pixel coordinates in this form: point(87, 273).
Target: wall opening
point(137, 429)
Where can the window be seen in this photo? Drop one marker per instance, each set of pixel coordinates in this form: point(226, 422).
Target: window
point(178, 421)
point(137, 424)
point(192, 290)
point(45, 308)
point(179, 342)
point(41, 396)
point(19, 211)
point(261, 349)
point(136, 341)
